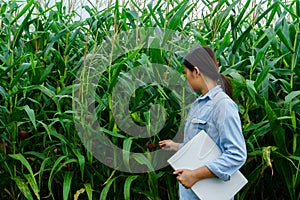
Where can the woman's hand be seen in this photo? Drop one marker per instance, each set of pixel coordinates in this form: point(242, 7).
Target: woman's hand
point(186, 177)
point(189, 177)
point(169, 145)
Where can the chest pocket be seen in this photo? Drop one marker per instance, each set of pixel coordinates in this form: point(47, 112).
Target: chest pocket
point(196, 126)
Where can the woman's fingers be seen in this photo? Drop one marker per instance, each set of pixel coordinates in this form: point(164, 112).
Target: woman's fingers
point(164, 144)
point(180, 178)
point(178, 171)
point(168, 145)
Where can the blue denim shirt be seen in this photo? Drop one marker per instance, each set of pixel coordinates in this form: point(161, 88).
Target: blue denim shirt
point(217, 114)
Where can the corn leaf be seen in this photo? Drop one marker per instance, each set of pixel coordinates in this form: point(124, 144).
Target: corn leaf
point(67, 184)
point(105, 190)
point(127, 186)
point(23, 187)
point(89, 191)
point(32, 182)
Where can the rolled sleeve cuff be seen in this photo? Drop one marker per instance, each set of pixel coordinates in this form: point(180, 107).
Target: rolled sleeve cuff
point(216, 171)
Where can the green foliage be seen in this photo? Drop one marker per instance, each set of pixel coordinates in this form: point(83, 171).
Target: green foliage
point(42, 48)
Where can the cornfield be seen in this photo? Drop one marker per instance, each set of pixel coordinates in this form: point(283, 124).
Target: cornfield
point(44, 46)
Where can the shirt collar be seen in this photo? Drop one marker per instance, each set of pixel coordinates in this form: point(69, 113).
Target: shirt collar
point(211, 93)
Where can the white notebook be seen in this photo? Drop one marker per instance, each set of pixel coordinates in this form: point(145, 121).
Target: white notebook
point(194, 154)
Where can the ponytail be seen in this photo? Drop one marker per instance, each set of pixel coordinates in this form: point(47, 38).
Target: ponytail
point(226, 85)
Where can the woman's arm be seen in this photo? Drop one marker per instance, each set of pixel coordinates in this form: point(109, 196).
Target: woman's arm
point(230, 140)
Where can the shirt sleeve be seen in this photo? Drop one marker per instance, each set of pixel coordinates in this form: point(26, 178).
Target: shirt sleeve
point(231, 140)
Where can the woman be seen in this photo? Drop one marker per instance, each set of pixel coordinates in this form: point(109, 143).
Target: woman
point(216, 113)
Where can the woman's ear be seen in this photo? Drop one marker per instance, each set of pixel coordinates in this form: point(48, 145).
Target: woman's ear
point(197, 72)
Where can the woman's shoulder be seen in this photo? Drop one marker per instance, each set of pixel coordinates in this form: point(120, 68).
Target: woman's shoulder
point(223, 101)
point(225, 108)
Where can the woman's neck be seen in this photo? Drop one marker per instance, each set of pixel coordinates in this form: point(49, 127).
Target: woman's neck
point(209, 84)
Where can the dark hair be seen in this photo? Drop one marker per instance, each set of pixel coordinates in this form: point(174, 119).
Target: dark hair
point(205, 60)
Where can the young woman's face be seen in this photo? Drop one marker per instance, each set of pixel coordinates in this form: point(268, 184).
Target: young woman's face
point(192, 79)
